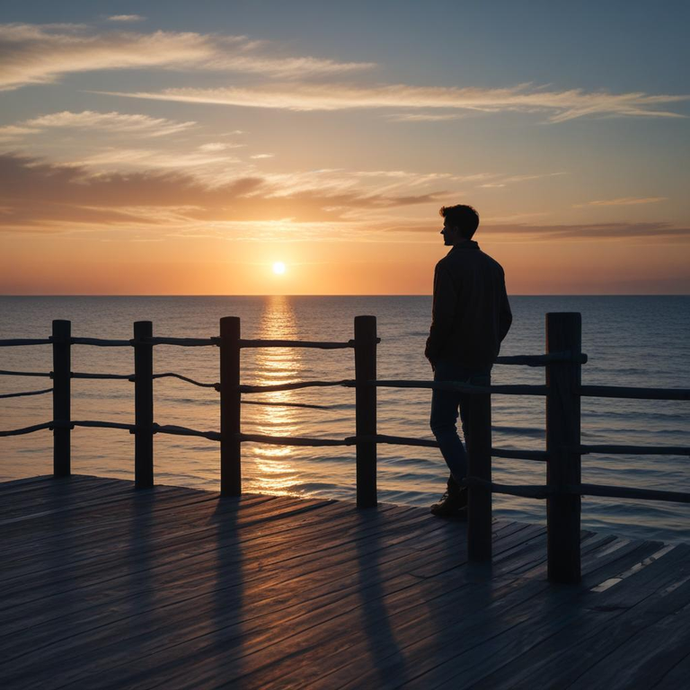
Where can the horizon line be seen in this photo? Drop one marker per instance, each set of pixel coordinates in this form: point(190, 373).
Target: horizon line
point(569, 294)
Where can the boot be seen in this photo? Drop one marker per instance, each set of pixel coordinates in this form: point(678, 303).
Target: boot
point(453, 503)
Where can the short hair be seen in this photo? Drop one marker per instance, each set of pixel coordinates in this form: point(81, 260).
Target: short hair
point(462, 217)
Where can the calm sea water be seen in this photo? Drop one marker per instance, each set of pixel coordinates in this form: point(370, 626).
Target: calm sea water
point(633, 341)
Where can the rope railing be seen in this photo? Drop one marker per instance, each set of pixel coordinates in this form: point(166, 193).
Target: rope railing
point(635, 393)
point(27, 429)
point(562, 456)
point(463, 387)
point(26, 393)
point(634, 450)
point(103, 377)
point(606, 491)
point(186, 379)
point(348, 383)
point(565, 357)
point(298, 343)
point(100, 342)
point(5, 372)
point(15, 342)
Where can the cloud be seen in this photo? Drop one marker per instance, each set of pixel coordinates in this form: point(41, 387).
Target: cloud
point(598, 231)
point(42, 53)
point(559, 106)
point(137, 125)
point(127, 18)
point(624, 201)
point(260, 156)
point(217, 146)
point(422, 117)
point(39, 196)
point(530, 232)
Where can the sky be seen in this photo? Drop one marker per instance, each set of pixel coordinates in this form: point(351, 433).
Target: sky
point(188, 148)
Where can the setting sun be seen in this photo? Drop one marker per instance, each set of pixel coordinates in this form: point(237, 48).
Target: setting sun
point(279, 268)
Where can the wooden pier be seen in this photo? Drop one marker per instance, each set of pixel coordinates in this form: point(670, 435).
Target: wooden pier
point(108, 586)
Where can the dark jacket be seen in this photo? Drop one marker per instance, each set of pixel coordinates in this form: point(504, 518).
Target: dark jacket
point(470, 314)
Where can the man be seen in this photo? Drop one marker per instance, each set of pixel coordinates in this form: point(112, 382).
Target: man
point(470, 317)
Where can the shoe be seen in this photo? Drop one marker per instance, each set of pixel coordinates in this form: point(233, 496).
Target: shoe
point(452, 504)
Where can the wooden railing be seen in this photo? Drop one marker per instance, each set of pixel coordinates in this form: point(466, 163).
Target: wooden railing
point(563, 392)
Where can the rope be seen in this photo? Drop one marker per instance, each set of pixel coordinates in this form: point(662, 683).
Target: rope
point(295, 386)
point(299, 343)
point(635, 450)
point(183, 342)
point(565, 357)
point(26, 373)
point(19, 395)
point(27, 429)
point(289, 404)
point(187, 380)
point(460, 387)
point(125, 377)
point(184, 431)
point(296, 440)
point(24, 341)
point(97, 424)
point(100, 342)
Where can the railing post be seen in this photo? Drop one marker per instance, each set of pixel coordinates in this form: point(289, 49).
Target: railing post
point(230, 446)
point(143, 405)
point(62, 382)
point(563, 334)
point(479, 517)
point(365, 414)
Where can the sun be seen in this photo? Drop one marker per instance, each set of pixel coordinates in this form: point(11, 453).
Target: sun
point(279, 268)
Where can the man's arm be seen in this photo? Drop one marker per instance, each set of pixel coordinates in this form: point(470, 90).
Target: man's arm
point(442, 313)
point(506, 316)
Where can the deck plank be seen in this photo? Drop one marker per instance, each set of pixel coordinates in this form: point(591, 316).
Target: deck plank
point(105, 586)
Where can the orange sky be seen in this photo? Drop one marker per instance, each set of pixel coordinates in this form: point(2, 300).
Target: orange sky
point(187, 154)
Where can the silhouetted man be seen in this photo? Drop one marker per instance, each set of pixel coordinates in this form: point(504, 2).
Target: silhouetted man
point(470, 317)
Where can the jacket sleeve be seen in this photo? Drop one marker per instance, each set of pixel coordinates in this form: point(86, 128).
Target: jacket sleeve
point(506, 315)
point(442, 313)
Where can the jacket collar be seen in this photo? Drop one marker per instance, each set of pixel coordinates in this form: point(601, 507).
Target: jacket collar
point(464, 246)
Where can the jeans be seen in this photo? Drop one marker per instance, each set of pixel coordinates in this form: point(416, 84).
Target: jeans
point(444, 415)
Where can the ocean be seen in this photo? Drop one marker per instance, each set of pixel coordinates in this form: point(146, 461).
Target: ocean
point(630, 341)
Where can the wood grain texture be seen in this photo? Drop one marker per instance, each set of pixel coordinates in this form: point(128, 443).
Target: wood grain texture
point(105, 586)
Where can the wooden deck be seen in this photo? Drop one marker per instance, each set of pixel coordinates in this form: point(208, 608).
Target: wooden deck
point(107, 587)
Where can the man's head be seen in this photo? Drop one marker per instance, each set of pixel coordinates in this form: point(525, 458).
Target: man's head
point(460, 223)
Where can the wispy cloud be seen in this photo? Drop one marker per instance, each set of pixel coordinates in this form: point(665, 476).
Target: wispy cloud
point(623, 201)
point(42, 53)
point(423, 117)
point(36, 195)
point(592, 231)
point(559, 106)
point(131, 125)
point(529, 232)
point(501, 181)
point(126, 18)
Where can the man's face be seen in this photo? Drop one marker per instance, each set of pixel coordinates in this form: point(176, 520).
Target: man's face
point(450, 234)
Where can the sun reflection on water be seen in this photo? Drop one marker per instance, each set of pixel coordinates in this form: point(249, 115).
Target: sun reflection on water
point(276, 473)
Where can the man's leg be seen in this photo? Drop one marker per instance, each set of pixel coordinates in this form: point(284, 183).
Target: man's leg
point(444, 417)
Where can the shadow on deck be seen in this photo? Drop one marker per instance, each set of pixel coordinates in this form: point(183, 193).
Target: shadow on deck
point(107, 587)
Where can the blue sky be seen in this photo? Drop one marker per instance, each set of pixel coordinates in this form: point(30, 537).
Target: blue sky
point(328, 134)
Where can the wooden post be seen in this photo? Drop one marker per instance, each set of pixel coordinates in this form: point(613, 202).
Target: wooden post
point(62, 381)
point(365, 414)
point(230, 446)
point(563, 334)
point(143, 405)
point(479, 517)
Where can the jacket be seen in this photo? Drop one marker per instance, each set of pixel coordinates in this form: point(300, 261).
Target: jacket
point(470, 314)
